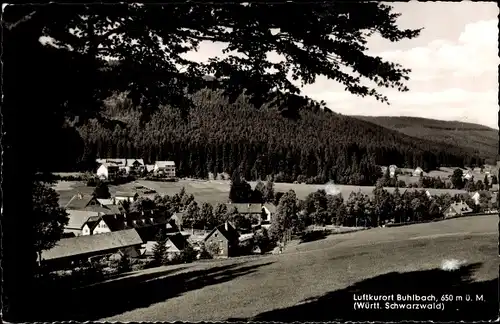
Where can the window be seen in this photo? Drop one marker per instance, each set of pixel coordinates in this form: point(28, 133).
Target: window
point(215, 235)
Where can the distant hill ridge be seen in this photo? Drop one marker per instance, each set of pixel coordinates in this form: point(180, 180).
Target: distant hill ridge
point(469, 136)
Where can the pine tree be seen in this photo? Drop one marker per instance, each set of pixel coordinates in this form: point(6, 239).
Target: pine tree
point(268, 192)
point(160, 249)
point(124, 264)
point(101, 190)
point(191, 218)
point(387, 177)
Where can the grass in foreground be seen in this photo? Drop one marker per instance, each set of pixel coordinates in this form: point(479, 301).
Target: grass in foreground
point(322, 274)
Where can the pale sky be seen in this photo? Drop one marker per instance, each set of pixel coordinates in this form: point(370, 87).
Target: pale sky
point(454, 65)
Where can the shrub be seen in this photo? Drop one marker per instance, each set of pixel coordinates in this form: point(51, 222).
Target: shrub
point(188, 255)
point(203, 254)
point(124, 264)
point(92, 182)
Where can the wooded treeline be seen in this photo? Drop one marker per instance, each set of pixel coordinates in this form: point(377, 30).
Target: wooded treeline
point(316, 145)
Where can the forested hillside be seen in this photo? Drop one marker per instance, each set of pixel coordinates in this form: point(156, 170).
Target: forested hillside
point(467, 135)
point(221, 137)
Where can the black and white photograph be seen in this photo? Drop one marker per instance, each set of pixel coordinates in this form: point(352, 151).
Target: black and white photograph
point(250, 161)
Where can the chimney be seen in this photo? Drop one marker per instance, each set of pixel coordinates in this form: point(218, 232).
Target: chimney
point(80, 196)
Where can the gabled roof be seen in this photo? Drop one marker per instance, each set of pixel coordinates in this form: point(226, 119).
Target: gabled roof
point(163, 164)
point(105, 210)
point(110, 165)
point(105, 202)
point(125, 194)
point(245, 208)
point(177, 240)
point(231, 234)
point(130, 162)
point(460, 208)
point(92, 222)
point(117, 161)
point(150, 167)
point(245, 237)
point(80, 201)
point(134, 220)
point(77, 218)
point(178, 216)
point(87, 244)
point(271, 208)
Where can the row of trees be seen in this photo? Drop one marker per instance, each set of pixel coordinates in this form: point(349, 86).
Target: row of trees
point(457, 181)
point(363, 210)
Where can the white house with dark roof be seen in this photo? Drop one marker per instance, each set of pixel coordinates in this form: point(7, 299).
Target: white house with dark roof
point(126, 165)
point(77, 219)
point(468, 175)
point(131, 196)
point(166, 168)
point(457, 209)
point(107, 171)
point(392, 170)
point(418, 172)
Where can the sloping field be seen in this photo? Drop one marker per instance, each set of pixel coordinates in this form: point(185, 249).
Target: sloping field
point(312, 281)
point(217, 191)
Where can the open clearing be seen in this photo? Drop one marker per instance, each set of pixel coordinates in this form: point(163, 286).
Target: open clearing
point(217, 191)
point(325, 273)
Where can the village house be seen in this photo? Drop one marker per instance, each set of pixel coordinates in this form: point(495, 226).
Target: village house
point(177, 218)
point(269, 211)
point(124, 165)
point(476, 197)
point(262, 211)
point(69, 251)
point(222, 241)
point(247, 244)
point(468, 175)
point(77, 219)
point(104, 202)
point(392, 170)
point(86, 202)
point(418, 172)
point(129, 196)
point(107, 171)
point(165, 168)
point(150, 168)
point(175, 245)
point(457, 209)
point(148, 224)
